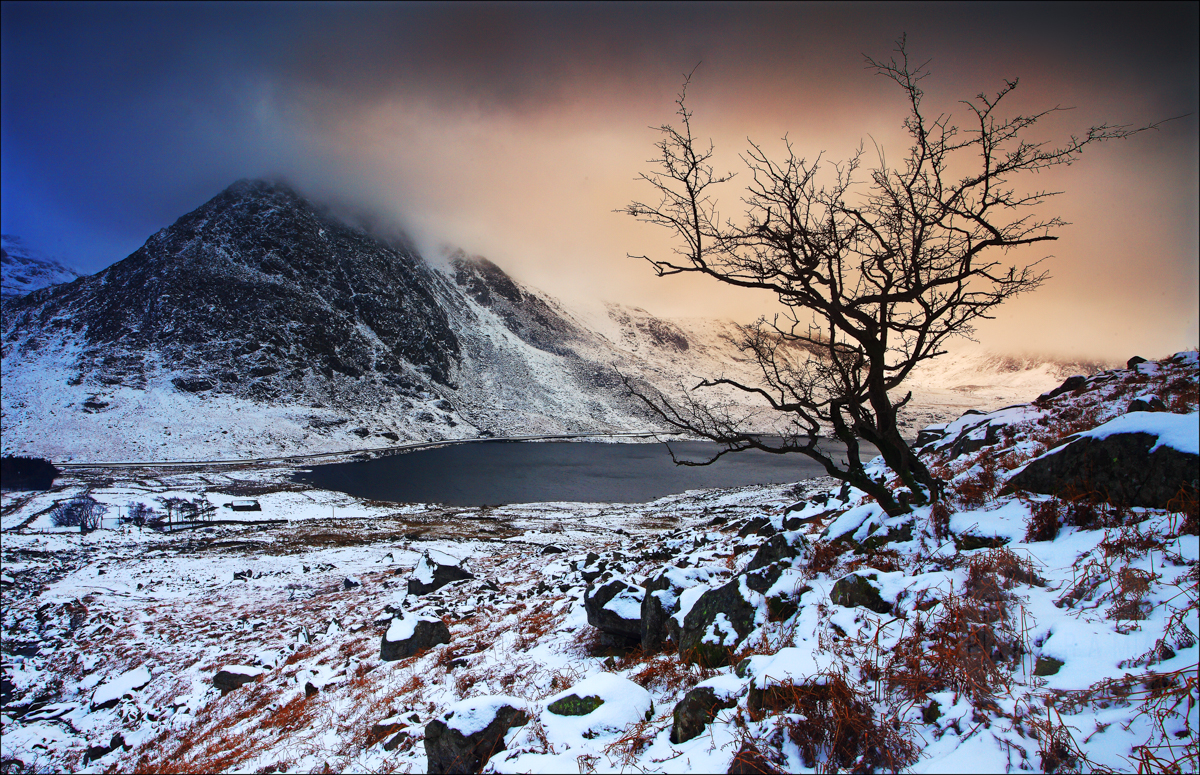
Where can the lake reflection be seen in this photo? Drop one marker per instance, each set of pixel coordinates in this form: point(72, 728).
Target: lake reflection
point(498, 472)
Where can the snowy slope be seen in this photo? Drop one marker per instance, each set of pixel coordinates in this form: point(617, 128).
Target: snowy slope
point(24, 270)
point(990, 648)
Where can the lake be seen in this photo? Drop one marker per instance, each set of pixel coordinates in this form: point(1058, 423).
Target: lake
point(500, 472)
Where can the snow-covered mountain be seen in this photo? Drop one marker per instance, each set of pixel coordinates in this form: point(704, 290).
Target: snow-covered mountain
point(261, 324)
point(24, 270)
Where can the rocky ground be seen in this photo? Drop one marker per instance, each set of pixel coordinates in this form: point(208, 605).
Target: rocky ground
point(1050, 626)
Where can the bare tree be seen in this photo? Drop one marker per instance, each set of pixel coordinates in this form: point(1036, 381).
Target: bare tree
point(873, 279)
point(139, 513)
point(84, 512)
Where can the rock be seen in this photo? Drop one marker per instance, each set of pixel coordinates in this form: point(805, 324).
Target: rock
point(855, 590)
point(1134, 361)
point(696, 710)
point(471, 732)
point(1047, 666)
point(411, 634)
point(231, 677)
point(969, 543)
point(110, 693)
point(395, 740)
point(757, 526)
point(616, 608)
point(624, 703)
point(1119, 468)
point(717, 622)
point(929, 435)
point(350, 582)
point(782, 546)
point(193, 384)
point(430, 574)
point(975, 439)
point(1070, 384)
point(552, 549)
point(902, 533)
point(99, 751)
point(661, 603)
point(1147, 404)
point(574, 705)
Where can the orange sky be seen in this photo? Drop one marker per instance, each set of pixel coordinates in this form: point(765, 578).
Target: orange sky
point(515, 131)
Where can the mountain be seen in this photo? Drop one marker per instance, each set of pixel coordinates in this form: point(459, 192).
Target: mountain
point(24, 270)
point(262, 324)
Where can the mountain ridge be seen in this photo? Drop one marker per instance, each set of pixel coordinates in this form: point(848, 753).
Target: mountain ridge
point(261, 324)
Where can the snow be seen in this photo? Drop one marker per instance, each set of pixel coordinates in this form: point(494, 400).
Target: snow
point(110, 604)
point(474, 714)
point(627, 604)
point(1177, 431)
point(403, 628)
point(126, 683)
point(249, 670)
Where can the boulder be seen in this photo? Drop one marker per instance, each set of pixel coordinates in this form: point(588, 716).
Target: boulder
point(1147, 404)
point(782, 546)
point(433, 574)
point(470, 732)
point(856, 590)
point(615, 608)
point(1069, 384)
point(975, 439)
point(696, 710)
point(1128, 468)
point(574, 705)
point(231, 677)
point(720, 620)
point(623, 702)
point(350, 582)
point(95, 752)
point(1134, 361)
point(661, 603)
point(110, 693)
point(412, 634)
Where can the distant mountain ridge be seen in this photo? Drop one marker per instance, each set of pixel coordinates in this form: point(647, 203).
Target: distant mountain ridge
point(261, 324)
point(24, 270)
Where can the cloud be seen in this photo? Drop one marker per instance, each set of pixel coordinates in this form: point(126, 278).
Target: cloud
point(516, 130)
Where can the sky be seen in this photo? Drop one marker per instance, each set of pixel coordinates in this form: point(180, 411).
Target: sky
point(515, 131)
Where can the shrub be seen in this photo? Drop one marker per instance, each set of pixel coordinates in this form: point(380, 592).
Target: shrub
point(1042, 524)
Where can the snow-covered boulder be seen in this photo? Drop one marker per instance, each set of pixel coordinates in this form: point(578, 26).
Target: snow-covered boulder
point(699, 706)
point(411, 634)
point(1137, 459)
point(472, 731)
point(109, 693)
point(602, 704)
point(231, 677)
point(615, 609)
point(434, 571)
point(663, 599)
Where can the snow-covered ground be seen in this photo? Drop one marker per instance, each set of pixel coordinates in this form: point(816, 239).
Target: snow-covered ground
point(997, 652)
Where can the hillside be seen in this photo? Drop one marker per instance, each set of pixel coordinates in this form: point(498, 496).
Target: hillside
point(261, 324)
point(24, 270)
point(784, 628)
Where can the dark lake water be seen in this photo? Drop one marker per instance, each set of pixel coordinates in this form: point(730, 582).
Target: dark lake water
point(498, 472)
